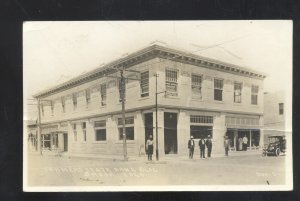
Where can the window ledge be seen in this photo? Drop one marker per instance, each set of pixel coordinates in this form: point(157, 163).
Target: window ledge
point(238, 104)
point(219, 102)
point(144, 98)
point(99, 142)
point(196, 99)
point(173, 97)
point(127, 142)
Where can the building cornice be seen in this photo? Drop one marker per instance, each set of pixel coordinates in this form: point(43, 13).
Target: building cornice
point(161, 107)
point(154, 51)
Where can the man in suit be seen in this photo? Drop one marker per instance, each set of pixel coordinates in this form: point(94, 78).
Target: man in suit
point(191, 146)
point(209, 146)
point(226, 145)
point(202, 147)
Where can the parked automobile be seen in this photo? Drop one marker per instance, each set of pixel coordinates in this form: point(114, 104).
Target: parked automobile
point(275, 146)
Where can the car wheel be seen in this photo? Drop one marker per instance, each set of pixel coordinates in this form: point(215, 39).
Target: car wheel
point(277, 152)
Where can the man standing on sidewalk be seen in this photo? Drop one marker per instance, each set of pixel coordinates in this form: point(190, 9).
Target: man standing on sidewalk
point(191, 146)
point(202, 147)
point(245, 143)
point(226, 145)
point(209, 146)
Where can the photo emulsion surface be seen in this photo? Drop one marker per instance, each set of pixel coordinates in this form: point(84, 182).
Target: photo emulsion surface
point(157, 106)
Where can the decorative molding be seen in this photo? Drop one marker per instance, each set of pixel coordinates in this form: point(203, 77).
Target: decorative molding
point(185, 73)
point(147, 54)
point(207, 77)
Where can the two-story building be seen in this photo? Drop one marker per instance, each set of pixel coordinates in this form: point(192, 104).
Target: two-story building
point(203, 97)
point(275, 109)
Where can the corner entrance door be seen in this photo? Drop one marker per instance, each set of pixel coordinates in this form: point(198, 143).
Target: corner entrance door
point(170, 133)
point(65, 142)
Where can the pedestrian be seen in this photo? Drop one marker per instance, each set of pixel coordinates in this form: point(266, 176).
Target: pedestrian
point(191, 146)
point(149, 147)
point(226, 145)
point(209, 146)
point(245, 142)
point(240, 144)
point(202, 147)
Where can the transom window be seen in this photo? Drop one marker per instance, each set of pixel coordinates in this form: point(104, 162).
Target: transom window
point(201, 119)
point(254, 94)
point(171, 82)
point(145, 84)
point(196, 86)
point(237, 92)
point(218, 89)
point(100, 130)
point(129, 128)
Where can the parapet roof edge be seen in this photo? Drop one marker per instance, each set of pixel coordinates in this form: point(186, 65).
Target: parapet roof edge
point(119, 61)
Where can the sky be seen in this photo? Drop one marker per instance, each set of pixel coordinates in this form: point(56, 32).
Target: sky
point(54, 52)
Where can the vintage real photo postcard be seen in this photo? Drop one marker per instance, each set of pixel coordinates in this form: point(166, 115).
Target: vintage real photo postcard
point(157, 105)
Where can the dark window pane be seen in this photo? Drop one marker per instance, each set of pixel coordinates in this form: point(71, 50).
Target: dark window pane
point(201, 131)
point(218, 95)
point(101, 135)
point(129, 133)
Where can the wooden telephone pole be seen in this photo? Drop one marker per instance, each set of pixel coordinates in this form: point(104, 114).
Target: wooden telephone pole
point(122, 91)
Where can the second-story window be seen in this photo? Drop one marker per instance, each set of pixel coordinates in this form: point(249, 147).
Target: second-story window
point(63, 104)
point(237, 92)
point(75, 132)
point(42, 108)
point(218, 89)
point(88, 96)
point(74, 97)
point(84, 131)
point(145, 84)
point(196, 86)
point(254, 94)
point(52, 107)
point(281, 108)
point(103, 94)
point(171, 82)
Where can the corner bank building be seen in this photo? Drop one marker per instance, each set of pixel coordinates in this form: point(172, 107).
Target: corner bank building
point(200, 97)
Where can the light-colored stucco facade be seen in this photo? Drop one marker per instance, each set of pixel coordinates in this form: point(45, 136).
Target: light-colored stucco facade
point(275, 110)
point(219, 118)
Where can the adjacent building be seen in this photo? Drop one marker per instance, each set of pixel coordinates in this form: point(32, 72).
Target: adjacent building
point(274, 113)
point(202, 97)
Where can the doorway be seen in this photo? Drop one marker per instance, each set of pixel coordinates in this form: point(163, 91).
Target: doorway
point(65, 142)
point(170, 133)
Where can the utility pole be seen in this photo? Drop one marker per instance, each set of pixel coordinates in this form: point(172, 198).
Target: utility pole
point(156, 122)
point(122, 91)
point(39, 141)
point(122, 94)
point(156, 116)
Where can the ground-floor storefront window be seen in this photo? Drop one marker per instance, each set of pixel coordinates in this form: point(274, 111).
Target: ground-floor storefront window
point(46, 141)
point(243, 139)
point(199, 132)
